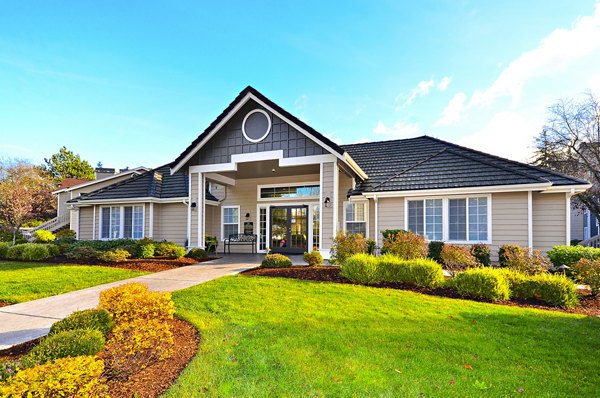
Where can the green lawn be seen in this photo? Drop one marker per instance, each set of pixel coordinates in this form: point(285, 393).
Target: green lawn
point(266, 337)
point(21, 282)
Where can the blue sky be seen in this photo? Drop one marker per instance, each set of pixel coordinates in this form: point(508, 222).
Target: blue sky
point(132, 83)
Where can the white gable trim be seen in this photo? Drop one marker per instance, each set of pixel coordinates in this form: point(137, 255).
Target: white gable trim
point(259, 156)
point(137, 170)
point(345, 157)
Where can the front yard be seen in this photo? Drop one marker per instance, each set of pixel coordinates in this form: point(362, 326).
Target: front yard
point(21, 282)
point(277, 337)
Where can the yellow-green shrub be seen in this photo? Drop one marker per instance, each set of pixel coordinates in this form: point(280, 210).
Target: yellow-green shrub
point(133, 301)
point(361, 268)
point(314, 258)
point(418, 272)
point(92, 319)
point(406, 245)
point(43, 236)
point(66, 377)
point(346, 245)
point(115, 256)
point(70, 343)
point(556, 290)
point(140, 341)
point(588, 272)
point(169, 249)
point(482, 282)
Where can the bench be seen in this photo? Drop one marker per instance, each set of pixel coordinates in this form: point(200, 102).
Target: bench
point(239, 239)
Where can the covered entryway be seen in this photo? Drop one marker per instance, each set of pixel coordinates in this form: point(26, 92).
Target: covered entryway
point(289, 229)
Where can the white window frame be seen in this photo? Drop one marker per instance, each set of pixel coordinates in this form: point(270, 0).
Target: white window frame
point(122, 221)
point(284, 185)
point(223, 237)
point(446, 218)
point(365, 203)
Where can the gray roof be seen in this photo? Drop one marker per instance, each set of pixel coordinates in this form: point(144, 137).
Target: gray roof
point(157, 183)
point(430, 163)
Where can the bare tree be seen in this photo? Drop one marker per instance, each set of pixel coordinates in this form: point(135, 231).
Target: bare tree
point(25, 194)
point(570, 143)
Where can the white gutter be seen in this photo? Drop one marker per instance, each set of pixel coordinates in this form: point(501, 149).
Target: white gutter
point(137, 170)
point(459, 191)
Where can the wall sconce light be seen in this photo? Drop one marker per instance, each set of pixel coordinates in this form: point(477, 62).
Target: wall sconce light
point(327, 201)
point(247, 216)
point(193, 205)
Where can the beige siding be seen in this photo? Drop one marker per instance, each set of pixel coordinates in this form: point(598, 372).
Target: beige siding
point(62, 206)
point(345, 184)
point(391, 215)
point(371, 219)
point(86, 216)
point(173, 222)
point(327, 212)
point(194, 216)
point(213, 218)
point(509, 220)
point(549, 220)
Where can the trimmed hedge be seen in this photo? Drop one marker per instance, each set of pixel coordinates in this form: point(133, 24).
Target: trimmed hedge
point(435, 250)
point(169, 249)
point(482, 283)
point(361, 268)
point(43, 236)
point(71, 343)
point(556, 290)
point(197, 254)
point(569, 255)
point(4, 249)
point(314, 258)
point(417, 272)
point(275, 260)
point(30, 251)
point(93, 319)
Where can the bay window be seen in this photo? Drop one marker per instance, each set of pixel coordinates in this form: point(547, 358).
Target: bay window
point(355, 217)
point(118, 222)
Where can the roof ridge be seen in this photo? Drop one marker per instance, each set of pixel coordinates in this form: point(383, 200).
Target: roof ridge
point(382, 141)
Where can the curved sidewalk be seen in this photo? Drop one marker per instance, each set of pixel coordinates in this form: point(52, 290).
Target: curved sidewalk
point(27, 321)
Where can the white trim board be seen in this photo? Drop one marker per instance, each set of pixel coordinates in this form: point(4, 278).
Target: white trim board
point(137, 170)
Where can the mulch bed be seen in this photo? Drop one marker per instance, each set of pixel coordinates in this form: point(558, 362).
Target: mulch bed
point(589, 305)
point(4, 304)
point(18, 350)
point(139, 264)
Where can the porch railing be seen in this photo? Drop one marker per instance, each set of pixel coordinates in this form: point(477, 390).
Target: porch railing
point(51, 225)
point(594, 241)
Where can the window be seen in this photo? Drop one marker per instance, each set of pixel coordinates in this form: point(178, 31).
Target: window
point(303, 191)
point(425, 218)
point(466, 219)
point(316, 216)
point(118, 222)
point(262, 245)
point(355, 217)
point(231, 221)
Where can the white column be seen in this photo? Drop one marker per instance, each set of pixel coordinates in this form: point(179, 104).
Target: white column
point(321, 207)
point(151, 221)
point(200, 210)
point(376, 220)
point(189, 211)
point(568, 217)
point(530, 220)
point(94, 223)
point(336, 189)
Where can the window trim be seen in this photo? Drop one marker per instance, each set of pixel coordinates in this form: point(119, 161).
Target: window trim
point(223, 219)
point(365, 203)
point(446, 219)
point(122, 220)
point(291, 184)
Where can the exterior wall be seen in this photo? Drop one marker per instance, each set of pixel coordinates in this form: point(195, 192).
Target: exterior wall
point(549, 220)
point(213, 221)
point(577, 223)
point(86, 217)
point(391, 215)
point(172, 218)
point(372, 233)
point(345, 184)
point(327, 191)
point(62, 206)
point(195, 178)
point(509, 220)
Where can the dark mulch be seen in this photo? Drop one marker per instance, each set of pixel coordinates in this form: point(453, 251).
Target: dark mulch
point(158, 377)
point(4, 304)
point(140, 264)
point(18, 350)
point(589, 305)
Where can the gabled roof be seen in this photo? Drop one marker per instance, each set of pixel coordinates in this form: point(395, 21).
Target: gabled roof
point(193, 147)
point(429, 163)
point(69, 182)
point(86, 183)
point(158, 183)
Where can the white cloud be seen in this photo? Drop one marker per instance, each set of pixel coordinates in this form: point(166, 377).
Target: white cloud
point(444, 83)
point(421, 89)
point(453, 111)
point(398, 130)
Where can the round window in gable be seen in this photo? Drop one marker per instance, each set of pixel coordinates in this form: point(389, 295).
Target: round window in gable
point(256, 125)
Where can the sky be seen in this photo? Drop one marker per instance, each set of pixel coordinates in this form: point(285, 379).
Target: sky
point(130, 83)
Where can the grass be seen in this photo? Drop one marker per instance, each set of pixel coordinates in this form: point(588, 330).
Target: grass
point(264, 337)
point(21, 282)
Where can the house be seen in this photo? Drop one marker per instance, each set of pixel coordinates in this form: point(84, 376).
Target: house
point(584, 225)
point(258, 169)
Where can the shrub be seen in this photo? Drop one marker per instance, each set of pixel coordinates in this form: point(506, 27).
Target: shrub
point(361, 268)
point(211, 243)
point(16, 252)
point(43, 236)
point(386, 233)
point(115, 256)
point(275, 260)
point(569, 255)
point(143, 249)
point(346, 245)
point(35, 252)
point(483, 283)
point(525, 261)
point(66, 234)
point(53, 250)
point(555, 289)
point(169, 249)
point(482, 253)
point(133, 301)
point(504, 249)
point(67, 377)
point(458, 258)
point(417, 272)
point(70, 343)
point(314, 258)
point(93, 319)
point(406, 245)
point(4, 249)
point(587, 272)
point(82, 253)
point(371, 246)
point(197, 254)
point(8, 238)
point(435, 250)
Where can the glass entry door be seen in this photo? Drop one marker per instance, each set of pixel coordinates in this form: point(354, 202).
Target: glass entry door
point(289, 229)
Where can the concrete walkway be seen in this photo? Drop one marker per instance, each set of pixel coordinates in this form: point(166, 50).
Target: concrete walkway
point(23, 322)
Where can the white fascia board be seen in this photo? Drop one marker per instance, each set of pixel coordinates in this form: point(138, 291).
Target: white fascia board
point(568, 188)
point(129, 200)
point(220, 178)
point(88, 183)
point(354, 166)
point(460, 191)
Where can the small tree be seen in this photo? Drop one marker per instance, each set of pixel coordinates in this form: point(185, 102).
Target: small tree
point(25, 194)
point(66, 164)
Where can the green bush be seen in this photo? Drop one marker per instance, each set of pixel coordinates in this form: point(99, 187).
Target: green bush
point(417, 272)
point(314, 258)
point(556, 290)
point(569, 255)
point(53, 250)
point(346, 245)
point(435, 250)
point(35, 252)
point(587, 272)
point(4, 249)
point(526, 261)
point(406, 245)
point(197, 254)
point(504, 249)
point(145, 250)
point(82, 253)
point(482, 253)
point(43, 236)
point(482, 283)
point(211, 243)
point(70, 343)
point(361, 268)
point(114, 256)
point(169, 249)
point(386, 233)
point(16, 252)
point(93, 319)
point(8, 237)
point(66, 233)
point(275, 260)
